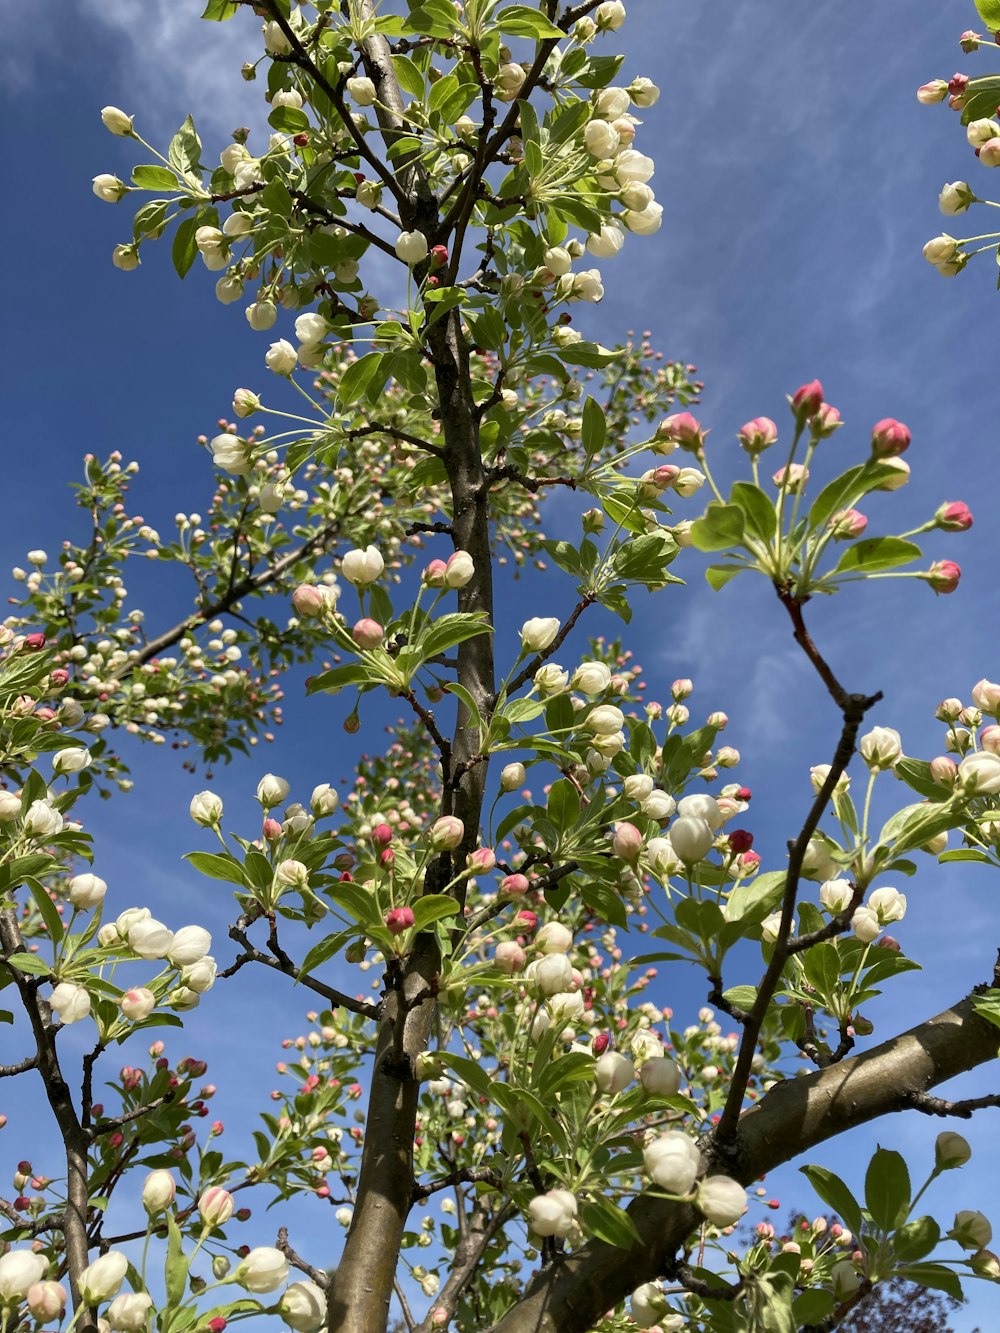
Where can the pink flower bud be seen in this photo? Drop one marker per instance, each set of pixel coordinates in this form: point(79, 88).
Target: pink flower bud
point(482, 860)
point(740, 840)
point(970, 40)
point(957, 84)
point(34, 642)
point(514, 885)
point(271, 830)
point(847, 524)
point(718, 721)
point(749, 863)
point(887, 942)
point(387, 858)
point(525, 919)
point(216, 1206)
point(757, 435)
point(792, 478)
point(447, 833)
point(627, 842)
point(308, 601)
point(439, 256)
point(953, 516)
point(929, 93)
point(381, 835)
point(683, 429)
point(436, 573)
point(682, 689)
point(825, 420)
point(367, 633)
point(58, 678)
point(944, 770)
point(399, 919)
point(510, 957)
point(601, 1043)
point(806, 400)
point(943, 576)
point(890, 437)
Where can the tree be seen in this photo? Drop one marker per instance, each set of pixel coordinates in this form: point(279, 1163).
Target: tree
point(591, 1152)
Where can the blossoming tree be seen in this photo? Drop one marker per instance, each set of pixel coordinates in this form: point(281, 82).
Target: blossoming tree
point(520, 1068)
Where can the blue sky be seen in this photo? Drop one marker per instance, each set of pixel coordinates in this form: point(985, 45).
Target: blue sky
point(799, 178)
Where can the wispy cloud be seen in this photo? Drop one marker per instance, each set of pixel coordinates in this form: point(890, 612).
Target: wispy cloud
point(170, 62)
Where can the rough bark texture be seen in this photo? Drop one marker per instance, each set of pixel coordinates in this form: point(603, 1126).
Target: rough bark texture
point(571, 1295)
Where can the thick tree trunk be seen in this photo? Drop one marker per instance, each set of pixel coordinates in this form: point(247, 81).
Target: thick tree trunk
point(362, 1289)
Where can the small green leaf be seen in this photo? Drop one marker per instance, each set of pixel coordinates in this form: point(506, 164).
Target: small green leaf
point(288, 120)
point(835, 1194)
point(154, 178)
point(328, 682)
point(759, 510)
point(218, 866)
point(719, 528)
point(217, 11)
point(28, 962)
point(887, 1188)
point(608, 1222)
point(933, 1275)
point(717, 576)
point(175, 1268)
point(184, 251)
point(523, 21)
point(357, 377)
point(916, 1239)
point(46, 909)
point(595, 428)
point(432, 907)
point(876, 553)
point(185, 148)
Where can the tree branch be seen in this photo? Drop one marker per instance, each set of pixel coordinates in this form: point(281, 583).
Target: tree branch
point(796, 1115)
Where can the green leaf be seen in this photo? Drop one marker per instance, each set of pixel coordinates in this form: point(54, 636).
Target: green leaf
point(328, 682)
point(877, 553)
point(218, 866)
point(217, 11)
point(469, 1071)
point(288, 120)
point(357, 377)
point(743, 997)
point(175, 1268)
point(887, 1188)
point(720, 527)
point(835, 1194)
point(965, 854)
point(987, 1005)
point(759, 510)
point(184, 251)
point(432, 907)
point(28, 962)
point(917, 774)
point(408, 76)
point(933, 1275)
point(717, 576)
point(916, 1239)
point(47, 910)
point(591, 355)
point(523, 21)
point(595, 428)
point(813, 1306)
point(608, 1222)
point(563, 805)
point(185, 148)
point(154, 178)
point(989, 12)
point(450, 630)
point(325, 950)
